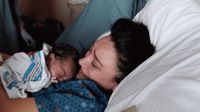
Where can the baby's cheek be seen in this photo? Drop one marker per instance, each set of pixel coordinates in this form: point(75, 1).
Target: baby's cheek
point(53, 74)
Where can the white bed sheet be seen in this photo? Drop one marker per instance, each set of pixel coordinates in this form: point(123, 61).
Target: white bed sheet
point(169, 81)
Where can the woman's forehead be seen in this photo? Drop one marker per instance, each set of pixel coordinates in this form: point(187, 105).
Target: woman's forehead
point(107, 57)
point(104, 45)
point(104, 39)
point(105, 51)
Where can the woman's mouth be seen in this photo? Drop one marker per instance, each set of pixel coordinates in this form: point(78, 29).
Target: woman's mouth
point(81, 75)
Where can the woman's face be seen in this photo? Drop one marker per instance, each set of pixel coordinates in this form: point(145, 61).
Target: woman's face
point(100, 64)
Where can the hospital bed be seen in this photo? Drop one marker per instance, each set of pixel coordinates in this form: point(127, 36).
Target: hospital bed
point(169, 81)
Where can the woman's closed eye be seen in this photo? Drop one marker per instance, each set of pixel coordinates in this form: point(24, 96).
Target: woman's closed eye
point(94, 65)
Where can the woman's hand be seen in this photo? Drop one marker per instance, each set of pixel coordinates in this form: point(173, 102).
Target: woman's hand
point(1, 59)
point(4, 56)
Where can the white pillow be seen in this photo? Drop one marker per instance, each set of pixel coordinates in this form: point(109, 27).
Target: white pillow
point(169, 81)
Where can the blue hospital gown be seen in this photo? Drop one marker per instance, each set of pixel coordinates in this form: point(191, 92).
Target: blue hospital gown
point(71, 96)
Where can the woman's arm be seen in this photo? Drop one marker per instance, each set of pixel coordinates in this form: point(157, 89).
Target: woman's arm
point(16, 105)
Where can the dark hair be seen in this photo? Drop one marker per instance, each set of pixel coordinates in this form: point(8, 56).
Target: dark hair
point(132, 43)
point(63, 51)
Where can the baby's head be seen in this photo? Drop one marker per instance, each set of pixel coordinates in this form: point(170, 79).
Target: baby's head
point(62, 62)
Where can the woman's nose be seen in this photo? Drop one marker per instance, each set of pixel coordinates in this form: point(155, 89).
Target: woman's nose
point(83, 62)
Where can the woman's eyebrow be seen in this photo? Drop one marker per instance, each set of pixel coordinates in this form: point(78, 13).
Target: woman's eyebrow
point(92, 45)
point(97, 59)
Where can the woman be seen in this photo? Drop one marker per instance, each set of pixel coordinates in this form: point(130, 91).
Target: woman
point(108, 61)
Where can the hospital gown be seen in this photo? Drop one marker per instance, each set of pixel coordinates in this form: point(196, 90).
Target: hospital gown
point(71, 96)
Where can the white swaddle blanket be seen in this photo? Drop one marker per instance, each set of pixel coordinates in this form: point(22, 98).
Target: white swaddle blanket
point(22, 73)
point(169, 81)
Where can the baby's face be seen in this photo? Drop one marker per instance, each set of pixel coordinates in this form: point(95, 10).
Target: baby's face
point(62, 69)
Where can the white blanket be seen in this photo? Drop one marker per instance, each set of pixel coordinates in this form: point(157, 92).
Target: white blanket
point(169, 81)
